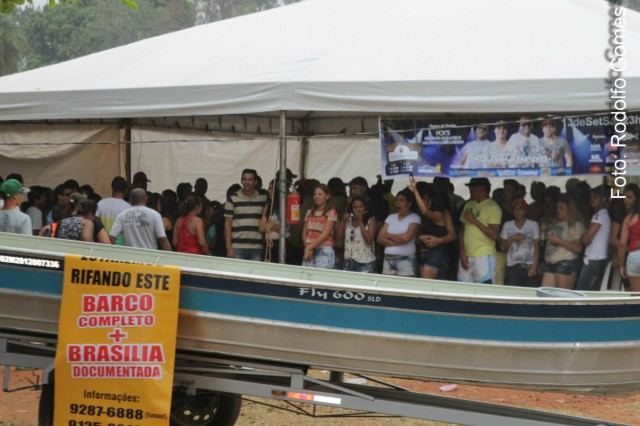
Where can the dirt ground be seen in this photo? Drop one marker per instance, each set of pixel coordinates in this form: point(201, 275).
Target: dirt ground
point(21, 408)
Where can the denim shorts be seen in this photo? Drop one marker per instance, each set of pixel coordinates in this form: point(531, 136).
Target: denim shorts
point(434, 258)
point(404, 266)
point(563, 267)
point(352, 265)
point(249, 254)
point(323, 257)
point(633, 264)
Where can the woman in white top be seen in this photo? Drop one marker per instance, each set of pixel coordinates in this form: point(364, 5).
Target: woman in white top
point(359, 238)
point(398, 236)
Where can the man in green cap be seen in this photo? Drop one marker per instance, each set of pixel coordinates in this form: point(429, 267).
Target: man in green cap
point(11, 218)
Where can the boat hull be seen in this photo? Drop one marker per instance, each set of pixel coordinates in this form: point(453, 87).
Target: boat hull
point(506, 337)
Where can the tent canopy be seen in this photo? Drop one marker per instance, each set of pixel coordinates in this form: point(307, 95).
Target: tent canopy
point(365, 56)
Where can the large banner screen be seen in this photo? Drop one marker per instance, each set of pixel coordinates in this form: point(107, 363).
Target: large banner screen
point(525, 147)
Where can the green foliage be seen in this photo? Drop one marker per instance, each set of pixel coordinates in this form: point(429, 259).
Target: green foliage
point(33, 37)
point(216, 10)
point(9, 6)
point(68, 31)
point(53, 2)
point(131, 4)
point(12, 45)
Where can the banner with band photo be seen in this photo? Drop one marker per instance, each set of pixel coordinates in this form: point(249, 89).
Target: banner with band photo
point(554, 146)
point(116, 343)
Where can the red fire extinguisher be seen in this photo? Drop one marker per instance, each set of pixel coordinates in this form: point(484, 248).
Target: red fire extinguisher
point(293, 208)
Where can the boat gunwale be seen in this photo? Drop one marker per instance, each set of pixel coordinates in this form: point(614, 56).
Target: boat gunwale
point(612, 298)
point(423, 293)
point(27, 245)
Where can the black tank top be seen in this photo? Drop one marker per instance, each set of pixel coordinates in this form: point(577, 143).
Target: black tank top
point(427, 227)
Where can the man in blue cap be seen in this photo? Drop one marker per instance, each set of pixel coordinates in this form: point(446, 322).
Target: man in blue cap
point(11, 218)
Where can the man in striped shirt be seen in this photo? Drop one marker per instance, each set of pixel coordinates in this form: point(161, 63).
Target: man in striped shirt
point(242, 214)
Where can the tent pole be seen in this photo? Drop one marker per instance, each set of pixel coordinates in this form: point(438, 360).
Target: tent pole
point(283, 186)
point(125, 149)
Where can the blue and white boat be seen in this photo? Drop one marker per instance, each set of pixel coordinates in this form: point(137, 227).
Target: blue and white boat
point(359, 323)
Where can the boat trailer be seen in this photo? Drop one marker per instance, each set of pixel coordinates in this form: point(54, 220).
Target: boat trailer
point(233, 378)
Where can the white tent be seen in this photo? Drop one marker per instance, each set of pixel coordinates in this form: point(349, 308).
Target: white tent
point(348, 59)
point(375, 56)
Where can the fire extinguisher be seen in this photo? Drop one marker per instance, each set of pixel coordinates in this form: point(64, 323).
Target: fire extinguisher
point(293, 208)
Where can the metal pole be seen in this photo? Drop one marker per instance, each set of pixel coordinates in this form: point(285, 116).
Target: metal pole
point(125, 150)
point(283, 186)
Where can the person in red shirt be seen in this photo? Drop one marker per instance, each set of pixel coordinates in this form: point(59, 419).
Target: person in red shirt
point(188, 235)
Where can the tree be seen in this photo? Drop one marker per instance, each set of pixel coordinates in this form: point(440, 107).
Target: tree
point(68, 31)
point(12, 45)
point(10, 6)
point(217, 10)
point(75, 28)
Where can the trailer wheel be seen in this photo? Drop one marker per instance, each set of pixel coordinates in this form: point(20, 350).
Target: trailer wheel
point(204, 409)
point(45, 408)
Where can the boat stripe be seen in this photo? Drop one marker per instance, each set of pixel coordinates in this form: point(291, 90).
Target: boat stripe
point(542, 310)
point(285, 303)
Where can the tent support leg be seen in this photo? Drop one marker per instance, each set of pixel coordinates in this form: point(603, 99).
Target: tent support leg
point(283, 186)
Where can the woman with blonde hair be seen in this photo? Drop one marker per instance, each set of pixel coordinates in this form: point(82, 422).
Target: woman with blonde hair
point(563, 245)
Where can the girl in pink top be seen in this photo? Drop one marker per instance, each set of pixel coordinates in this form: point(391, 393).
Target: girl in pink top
point(317, 232)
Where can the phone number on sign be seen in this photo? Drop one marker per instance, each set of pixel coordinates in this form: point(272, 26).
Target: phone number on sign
point(91, 423)
point(97, 410)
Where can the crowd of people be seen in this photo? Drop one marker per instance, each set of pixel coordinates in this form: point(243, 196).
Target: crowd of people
point(561, 239)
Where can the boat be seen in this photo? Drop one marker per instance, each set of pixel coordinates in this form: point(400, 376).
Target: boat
point(359, 323)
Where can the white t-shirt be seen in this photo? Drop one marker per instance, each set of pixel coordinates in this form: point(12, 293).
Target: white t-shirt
point(15, 222)
point(599, 247)
point(355, 247)
point(474, 150)
point(497, 156)
point(521, 251)
point(275, 236)
point(555, 253)
point(400, 227)
point(526, 149)
point(140, 227)
point(36, 217)
point(108, 209)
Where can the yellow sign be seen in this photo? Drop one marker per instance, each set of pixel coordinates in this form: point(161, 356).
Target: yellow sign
point(116, 343)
